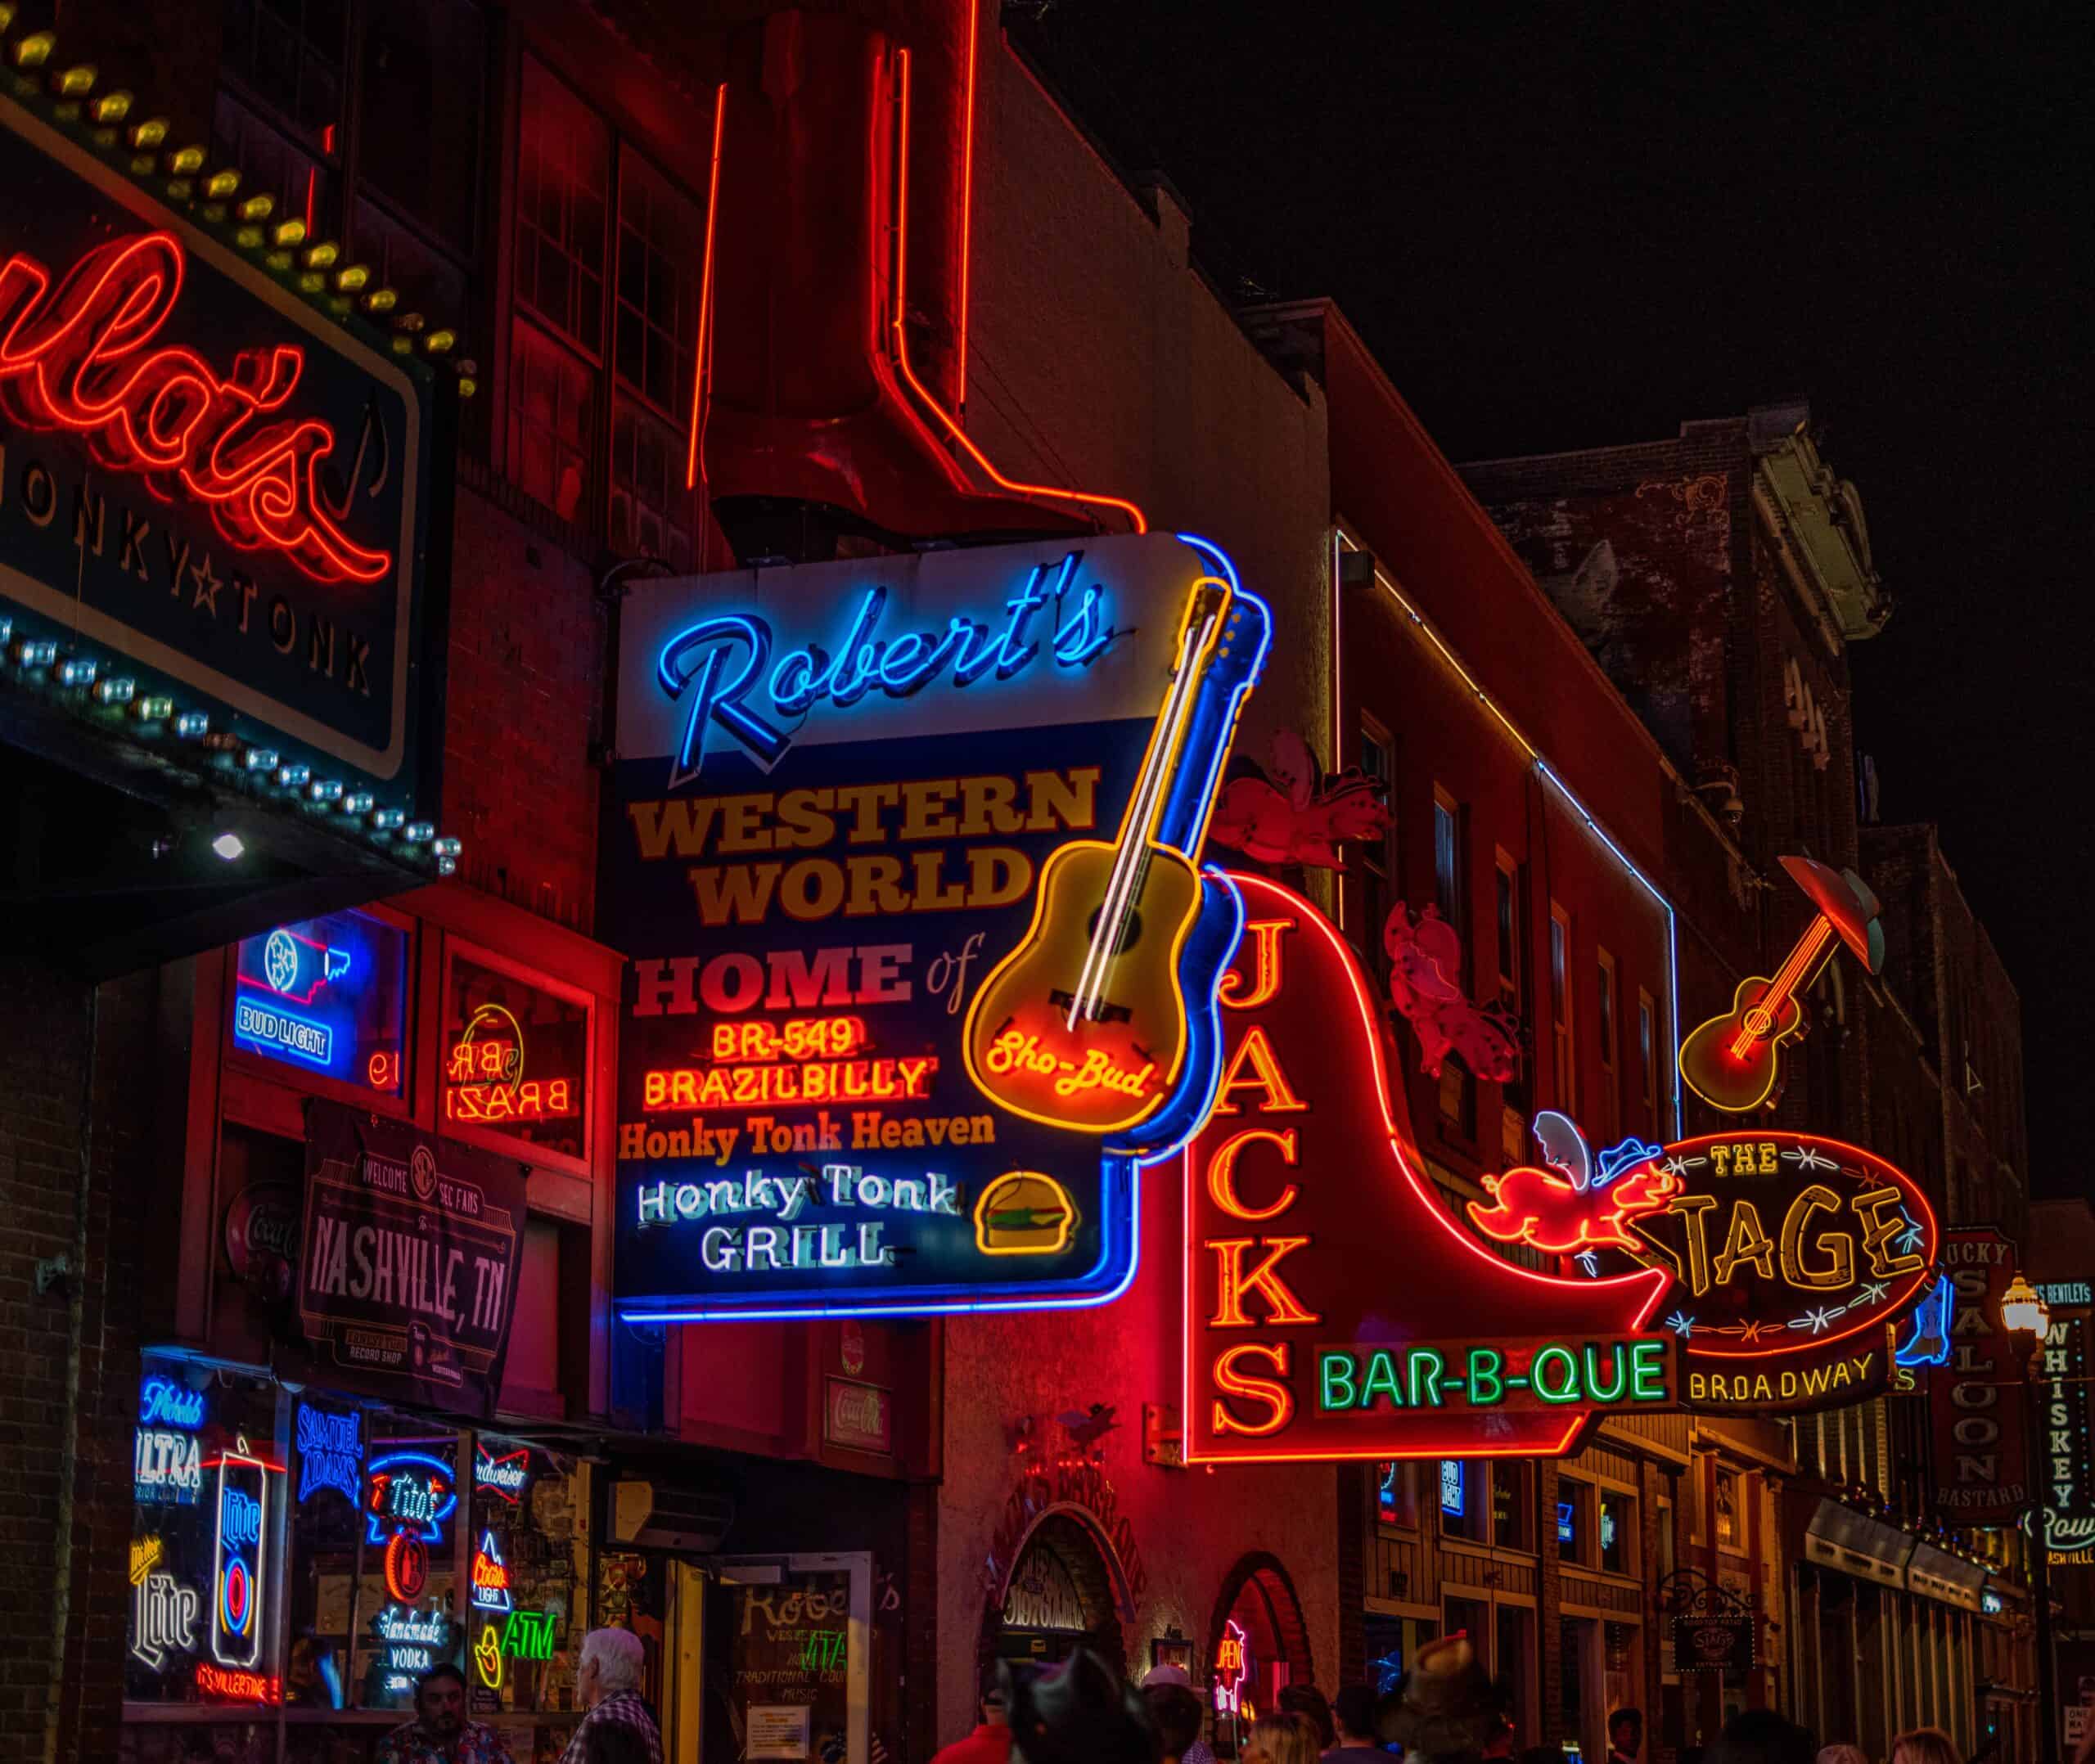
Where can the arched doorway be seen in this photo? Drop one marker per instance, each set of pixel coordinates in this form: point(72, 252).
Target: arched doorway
point(1065, 1591)
point(1257, 1646)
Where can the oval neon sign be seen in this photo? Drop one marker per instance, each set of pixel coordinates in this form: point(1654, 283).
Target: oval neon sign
point(1785, 1243)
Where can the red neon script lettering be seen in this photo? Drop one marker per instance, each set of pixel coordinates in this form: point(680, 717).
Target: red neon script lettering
point(76, 359)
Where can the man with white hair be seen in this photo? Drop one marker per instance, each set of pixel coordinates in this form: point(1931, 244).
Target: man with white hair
point(608, 1681)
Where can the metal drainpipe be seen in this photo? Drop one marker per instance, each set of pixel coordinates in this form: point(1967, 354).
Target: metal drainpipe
point(69, 1458)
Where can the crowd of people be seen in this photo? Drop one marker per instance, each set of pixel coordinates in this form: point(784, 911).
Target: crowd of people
point(1446, 1711)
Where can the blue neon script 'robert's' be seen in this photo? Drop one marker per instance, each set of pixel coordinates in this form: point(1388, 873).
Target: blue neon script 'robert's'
point(717, 664)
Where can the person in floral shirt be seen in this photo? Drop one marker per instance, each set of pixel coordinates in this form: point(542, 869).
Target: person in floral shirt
point(439, 1733)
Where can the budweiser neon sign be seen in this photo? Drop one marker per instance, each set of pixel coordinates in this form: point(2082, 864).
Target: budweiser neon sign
point(76, 356)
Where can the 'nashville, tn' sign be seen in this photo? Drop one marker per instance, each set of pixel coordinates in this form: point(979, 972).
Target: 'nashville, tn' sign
point(906, 855)
point(1790, 1253)
point(1334, 1308)
point(208, 488)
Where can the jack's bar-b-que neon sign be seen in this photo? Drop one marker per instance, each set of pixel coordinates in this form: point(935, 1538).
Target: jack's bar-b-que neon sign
point(1327, 1283)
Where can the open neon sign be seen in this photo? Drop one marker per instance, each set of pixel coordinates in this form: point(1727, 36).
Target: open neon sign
point(715, 665)
point(77, 359)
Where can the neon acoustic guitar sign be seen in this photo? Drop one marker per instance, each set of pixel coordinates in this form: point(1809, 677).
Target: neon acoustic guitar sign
point(1326, 1284)
point(77, 358)
point(1086, 1025)
point(1733, 1062)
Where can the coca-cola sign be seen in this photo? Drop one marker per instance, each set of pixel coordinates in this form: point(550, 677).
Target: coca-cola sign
point(859, 1417)
point(261, 1228)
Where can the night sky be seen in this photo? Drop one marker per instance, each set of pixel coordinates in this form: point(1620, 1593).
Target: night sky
point(1585, 227)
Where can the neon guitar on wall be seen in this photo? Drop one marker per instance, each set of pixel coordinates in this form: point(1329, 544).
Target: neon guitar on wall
point(1733, 1062)
point(1100, 1020)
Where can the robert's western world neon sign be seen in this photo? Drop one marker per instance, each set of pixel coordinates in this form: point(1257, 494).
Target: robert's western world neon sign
point(924, 956)
point(721, 669)
point(1326, 1284)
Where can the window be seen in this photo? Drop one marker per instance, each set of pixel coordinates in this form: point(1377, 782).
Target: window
point(1618, 1530)
point(1564, 1071)
point(1647, 1058)
point(1511, 931)
point(515, 1059)
point(1396, 1493)
point(282, 116)
point(1610, 1099)
point(1574, 1520)
point(1378, 761)
point(1512, 1503)
point(1730, 1519)
point(1466, 1500)
point(326, 998)
point(1449, 881)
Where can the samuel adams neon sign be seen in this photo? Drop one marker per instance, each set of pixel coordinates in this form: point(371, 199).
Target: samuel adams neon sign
point(719, 662)
point(77, 359)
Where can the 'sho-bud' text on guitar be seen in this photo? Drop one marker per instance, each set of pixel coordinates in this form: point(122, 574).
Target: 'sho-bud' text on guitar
point(1733, 1062)
point(1101, 1019)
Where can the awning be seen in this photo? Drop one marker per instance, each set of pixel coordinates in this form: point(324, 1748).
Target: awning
point(1858, 1545)
point(1934, 1574)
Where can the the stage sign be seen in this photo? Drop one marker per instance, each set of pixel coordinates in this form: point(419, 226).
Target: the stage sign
point(1976, 1402)
point(1334, 1307)
point(1791, 1254)
point(905, 853)
point(216, 490)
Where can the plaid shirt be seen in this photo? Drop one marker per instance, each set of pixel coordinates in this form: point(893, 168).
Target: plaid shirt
point(476, 1744)
point(622, 1708)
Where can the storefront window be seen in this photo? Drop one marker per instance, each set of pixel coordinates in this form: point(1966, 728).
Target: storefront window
point(1512, 1503)
point(326, 997)
point(1466, 1500)
point(1730, 1535)
point(1396, 1494)
point(1618, 1532)
point(1574, 1502)
point(208, 1488)
point(516, 1059)
point(529, 1582)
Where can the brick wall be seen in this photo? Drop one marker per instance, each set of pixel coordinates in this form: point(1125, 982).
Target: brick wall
point(68, 1355)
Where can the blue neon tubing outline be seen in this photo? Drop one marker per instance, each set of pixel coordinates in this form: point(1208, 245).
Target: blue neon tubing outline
point(1054, 1298)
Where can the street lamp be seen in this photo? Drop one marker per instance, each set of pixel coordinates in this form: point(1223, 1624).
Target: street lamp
point(2027, 1321)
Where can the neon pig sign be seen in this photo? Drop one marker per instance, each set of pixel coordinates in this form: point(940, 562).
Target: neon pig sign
point(1298, 1345)
point(821, 858)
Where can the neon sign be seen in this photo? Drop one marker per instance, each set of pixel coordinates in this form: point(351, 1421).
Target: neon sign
point(329, 1451)
point(415, 1640)
point(163, 1610)
point(483, 1076)
point(1928, 1343)
point(216, 1685)
point(1733, 1062)
point(2066, 1292)
point(1577, 1211)
point(408, 1490)
point(327, 995)
point(270, 1029)
point(167, 415)
point(490, 1576)
point(1297, 1348)
point(406, 1562)
point(164, 1403)
point(771, 1048)
point(238, 1555)
point(487, 1658)
point(167, 1467)
point(507, 1475)
point(529, 1635)
point(1790, 1253)
point(713, 665)
point(1232, 1664)
point(1452, 1501)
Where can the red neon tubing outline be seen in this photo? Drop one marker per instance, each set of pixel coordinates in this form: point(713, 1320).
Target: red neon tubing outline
point(171, 418)
point(1760, 1352)
point(703, 373)
point(900, 345)
point(1655, 1280)
point(966, 205)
